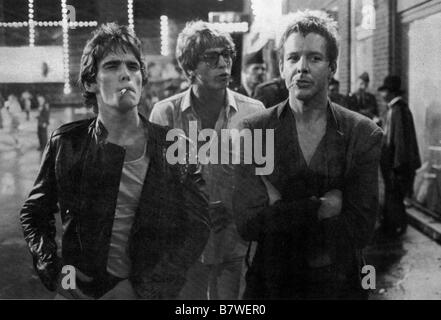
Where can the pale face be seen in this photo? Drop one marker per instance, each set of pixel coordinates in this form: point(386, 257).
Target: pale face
point(214, 76)
point(386, 95)
point(305, 66)
point(118, 71)
point(255, 74)
point(40, 100)
point(362, 85)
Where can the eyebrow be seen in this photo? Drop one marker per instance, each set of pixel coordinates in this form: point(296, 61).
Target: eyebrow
point(307, 52)
point(216, 50)
point(119, 61)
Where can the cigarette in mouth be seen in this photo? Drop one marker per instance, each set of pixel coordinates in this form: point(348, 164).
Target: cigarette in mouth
point(123, 91)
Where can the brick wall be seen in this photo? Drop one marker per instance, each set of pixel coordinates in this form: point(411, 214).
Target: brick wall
point(383, 62)
point(344, 22)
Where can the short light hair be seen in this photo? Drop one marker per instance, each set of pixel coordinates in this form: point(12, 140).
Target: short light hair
point(197, 37)
point(319, 22)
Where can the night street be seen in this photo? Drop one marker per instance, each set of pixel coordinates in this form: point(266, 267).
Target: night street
point(295, 122)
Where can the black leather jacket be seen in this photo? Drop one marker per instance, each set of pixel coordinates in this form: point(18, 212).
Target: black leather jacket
point(79, 176)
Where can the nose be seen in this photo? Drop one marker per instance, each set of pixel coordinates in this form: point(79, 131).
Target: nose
point(223, 62)
point(302, 65)
point(124, 73)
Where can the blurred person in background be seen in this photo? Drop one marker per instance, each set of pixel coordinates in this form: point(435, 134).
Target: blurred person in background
point(26, 99)
point(362, 101)
point(2, 104)
point(271, 92)
point(400, 156)
point(253, 73)
point(335, 95)
point(12, 106)
point(206, 55)
point(42, 121)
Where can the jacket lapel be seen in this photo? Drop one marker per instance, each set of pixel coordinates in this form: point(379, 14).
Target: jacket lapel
point(283, 144)
point(335, 147)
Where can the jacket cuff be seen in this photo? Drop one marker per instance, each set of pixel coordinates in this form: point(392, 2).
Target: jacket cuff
point(48, 271)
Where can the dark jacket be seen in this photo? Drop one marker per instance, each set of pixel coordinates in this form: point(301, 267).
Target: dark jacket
point(44, 116)
point(271, 92)
point(364, 103)
point(400, 156)
point(352, 153)
point(80, 172)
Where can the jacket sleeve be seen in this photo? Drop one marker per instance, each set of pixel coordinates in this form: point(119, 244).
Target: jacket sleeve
point(253, 215)
point(167, 277)
point(38, 221)
point(360, 194)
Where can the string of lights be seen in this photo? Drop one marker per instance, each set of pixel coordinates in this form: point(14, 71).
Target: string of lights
point(164, 36)
point(130, 14)
point(65, 25)
point(31, 23)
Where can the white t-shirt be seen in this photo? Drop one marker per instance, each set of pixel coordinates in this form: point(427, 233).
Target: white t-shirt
point(132, 181)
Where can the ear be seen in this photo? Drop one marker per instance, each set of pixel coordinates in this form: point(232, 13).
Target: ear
point(91, 87)
point(333, 68)
point(281, 68)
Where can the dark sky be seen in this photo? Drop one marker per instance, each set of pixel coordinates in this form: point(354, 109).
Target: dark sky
point(49, 10)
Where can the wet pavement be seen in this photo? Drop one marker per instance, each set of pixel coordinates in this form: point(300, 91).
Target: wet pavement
point(407, 268)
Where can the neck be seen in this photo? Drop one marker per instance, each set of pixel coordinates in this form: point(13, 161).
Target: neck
point(212, 99)
point(122, 128)
point(309, 110)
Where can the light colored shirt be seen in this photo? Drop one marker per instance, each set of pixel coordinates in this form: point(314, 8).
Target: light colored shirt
point(387, 125)
point(177, 112)
point(130, 187)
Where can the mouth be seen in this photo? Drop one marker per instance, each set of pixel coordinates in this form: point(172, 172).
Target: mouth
point(301, 83)
point(125, 90)
point(224, 76)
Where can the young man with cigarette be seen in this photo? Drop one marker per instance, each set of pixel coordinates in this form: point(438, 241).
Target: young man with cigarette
point(132, 223)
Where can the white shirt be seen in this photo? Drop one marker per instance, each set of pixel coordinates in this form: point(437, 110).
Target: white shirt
point(132, 181)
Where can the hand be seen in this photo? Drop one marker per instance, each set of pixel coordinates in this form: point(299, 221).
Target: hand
point(73, 293)
point(331, 204)
point(122, 291)
point(273, 193)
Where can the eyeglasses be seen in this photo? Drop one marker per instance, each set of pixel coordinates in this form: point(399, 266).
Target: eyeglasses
point(212, 58)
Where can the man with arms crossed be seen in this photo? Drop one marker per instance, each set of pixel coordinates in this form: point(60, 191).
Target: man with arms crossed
point(132, 223)
point(315, 213)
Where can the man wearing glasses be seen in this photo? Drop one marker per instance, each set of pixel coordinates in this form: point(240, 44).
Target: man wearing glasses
point(206, 56)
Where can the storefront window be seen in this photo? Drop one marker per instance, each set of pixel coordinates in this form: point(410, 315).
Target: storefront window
point(363, 26)
point(424, 74)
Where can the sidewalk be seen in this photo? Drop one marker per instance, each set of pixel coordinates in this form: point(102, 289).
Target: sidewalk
point(28, 129)
point(425, 222)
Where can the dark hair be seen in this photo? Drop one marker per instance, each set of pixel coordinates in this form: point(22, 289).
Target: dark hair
point(306, 22)
point(105, 39)
point(197, 37)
